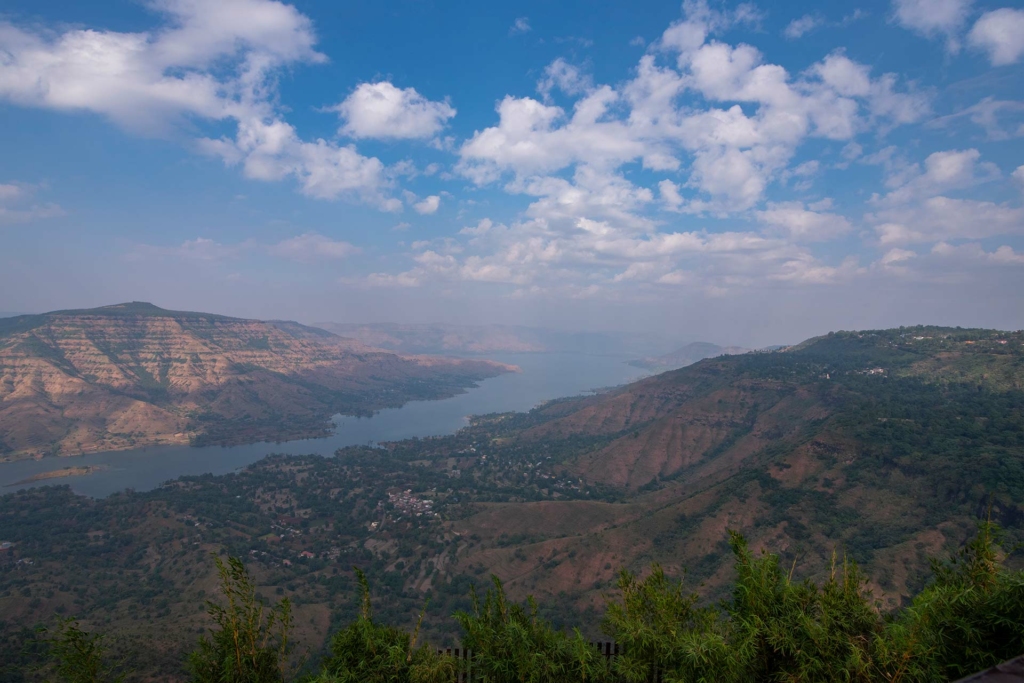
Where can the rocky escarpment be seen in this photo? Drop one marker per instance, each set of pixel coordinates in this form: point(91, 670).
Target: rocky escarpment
point(133, 374)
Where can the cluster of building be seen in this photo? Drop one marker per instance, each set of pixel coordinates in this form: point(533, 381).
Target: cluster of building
point(407, 503)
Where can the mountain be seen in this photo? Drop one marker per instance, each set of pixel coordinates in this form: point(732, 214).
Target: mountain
point(885, 445)
point(881, 447)
point(446, 339)
point(134, 374)
point(687, 355)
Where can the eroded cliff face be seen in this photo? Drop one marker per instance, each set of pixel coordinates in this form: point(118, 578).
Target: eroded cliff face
point(134, 375)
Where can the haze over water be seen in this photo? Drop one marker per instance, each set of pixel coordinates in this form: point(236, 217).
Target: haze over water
point(543, 377)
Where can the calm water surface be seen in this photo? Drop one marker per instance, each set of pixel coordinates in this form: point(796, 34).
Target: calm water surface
point(544, 377)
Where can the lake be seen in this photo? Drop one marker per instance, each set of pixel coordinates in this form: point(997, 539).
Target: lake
point(544, 376)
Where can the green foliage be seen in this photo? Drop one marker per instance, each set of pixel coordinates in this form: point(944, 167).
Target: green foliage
point(79, 657)
point(771, 628)
point(971, 617)
point(776, 629)
point(511, 644)
point(250, 642)
point(367, 652)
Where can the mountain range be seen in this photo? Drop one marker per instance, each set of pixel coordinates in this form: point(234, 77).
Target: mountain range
point(686, 355)
point(133, 374)
point(882, 447)
point(445, 339)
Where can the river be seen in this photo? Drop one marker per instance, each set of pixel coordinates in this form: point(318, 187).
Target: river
point(544, 376)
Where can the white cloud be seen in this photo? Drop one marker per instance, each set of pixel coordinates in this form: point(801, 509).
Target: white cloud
point(734, 153)
point(428, 205)
point(520, 25)
point(1018, 175)
point(305, 248)
point(953, 263)
point(310, 247)
point(380, 110)
point(147, 80)
point(934, 18)
point(16, 205)
point(670, 195)
point(992, 115)
point(210, 61)
point(324, 170)
point(1000, 33)
point(1004, 255)
point(10, 192)
point(895, 256)
point(942, 218)
point(563, 76)
point(801, 26)
point(943, 171)
point(200, 249)
point(791, 219)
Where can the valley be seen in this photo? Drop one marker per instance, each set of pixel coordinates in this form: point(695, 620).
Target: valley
point(470, 340)
point(134, 375)
point(885, 447)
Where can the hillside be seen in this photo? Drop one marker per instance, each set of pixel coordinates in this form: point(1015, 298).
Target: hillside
point(885, 444)
point(882, 447)
point(483, 339)
point(686, 355)
point(133, 375)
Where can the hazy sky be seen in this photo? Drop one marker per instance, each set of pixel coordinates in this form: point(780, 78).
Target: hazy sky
point(744, 173)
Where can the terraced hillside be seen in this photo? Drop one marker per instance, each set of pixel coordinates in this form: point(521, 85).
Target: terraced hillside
point(133, 374)
point(882, 447)
point(885, 445)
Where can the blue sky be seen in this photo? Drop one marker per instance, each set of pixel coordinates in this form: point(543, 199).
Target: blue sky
point(748, 173)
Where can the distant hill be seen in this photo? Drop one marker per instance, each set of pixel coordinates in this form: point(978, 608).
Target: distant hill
point(884, 444)
point(446, 339)
point(687, 355)
point(135, 374)
point(882, 447)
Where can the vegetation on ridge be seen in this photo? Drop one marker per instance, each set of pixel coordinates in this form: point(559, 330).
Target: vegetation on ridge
point(772, 628)
point(885, 445)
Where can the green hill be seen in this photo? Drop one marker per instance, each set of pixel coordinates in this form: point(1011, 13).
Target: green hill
point(885, 447)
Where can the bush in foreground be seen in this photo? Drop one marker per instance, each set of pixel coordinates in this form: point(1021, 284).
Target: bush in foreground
point(772, 628)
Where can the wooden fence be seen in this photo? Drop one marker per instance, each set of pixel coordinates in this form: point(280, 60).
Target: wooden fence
point(608, 649)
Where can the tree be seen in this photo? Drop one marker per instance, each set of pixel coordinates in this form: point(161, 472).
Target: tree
point(511, 644)
point(367, 652)
point(250, 642)
point(80, 657)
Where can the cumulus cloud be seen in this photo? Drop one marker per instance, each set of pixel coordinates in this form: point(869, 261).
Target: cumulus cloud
point(943, 171)
point(380, 110)
point(308, 247)
point(312, 246)
point(324, 170)
point(943, 218)
point(999, 33)
point(733, 154)
point(562, 75)
point(147, 80)
point(1018, 175)
point(918, 208)
point(520, 25)
point(200, 250)
point(995, 117)
point(17, 204)
point(798, 223)
point(428, 205)
point(209, 61)
point(798, 27)
point(934, 18)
